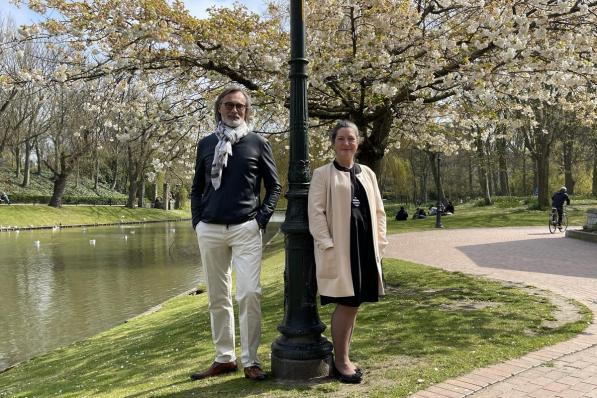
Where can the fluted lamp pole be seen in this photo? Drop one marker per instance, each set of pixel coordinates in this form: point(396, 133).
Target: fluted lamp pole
point(300, 352)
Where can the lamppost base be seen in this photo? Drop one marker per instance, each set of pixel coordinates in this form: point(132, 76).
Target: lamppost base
point(301, 358)
point(300, 370)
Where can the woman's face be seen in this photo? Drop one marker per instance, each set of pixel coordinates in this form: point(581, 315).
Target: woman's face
point(346, 144)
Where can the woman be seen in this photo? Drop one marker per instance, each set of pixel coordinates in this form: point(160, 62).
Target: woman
point(348, 224)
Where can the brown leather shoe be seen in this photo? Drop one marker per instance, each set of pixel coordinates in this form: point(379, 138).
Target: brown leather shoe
point(216, 369)
point(255, 373)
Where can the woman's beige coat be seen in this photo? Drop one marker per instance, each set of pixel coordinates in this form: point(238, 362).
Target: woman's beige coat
point(329, 222)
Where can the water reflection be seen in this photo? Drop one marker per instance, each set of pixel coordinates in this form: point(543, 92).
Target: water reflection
point(57, 287)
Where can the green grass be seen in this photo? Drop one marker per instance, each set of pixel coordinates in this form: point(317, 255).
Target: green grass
point(41, 215)
point(469, 215)
point(412, 334)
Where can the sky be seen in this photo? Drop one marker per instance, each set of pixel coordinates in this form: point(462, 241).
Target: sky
point(196, 7)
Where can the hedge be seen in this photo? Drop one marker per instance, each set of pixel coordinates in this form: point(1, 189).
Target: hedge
point(69, 200)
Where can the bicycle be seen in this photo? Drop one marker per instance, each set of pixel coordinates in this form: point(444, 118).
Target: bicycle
point(553, 221)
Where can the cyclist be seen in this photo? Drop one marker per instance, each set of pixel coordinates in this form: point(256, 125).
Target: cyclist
point(557, 202)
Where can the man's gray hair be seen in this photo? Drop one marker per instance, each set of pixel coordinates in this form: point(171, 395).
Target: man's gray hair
point(341, 125)
point(230, 90)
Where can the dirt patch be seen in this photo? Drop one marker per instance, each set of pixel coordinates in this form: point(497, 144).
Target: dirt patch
point(566, 311)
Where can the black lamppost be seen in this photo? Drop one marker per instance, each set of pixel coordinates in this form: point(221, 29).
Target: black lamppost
point(301, 352)
point(438, 215)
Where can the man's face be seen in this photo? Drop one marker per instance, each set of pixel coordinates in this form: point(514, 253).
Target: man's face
point(233, 109)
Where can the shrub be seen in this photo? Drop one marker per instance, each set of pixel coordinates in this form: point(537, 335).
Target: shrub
point(68, 199)
point(509, 201)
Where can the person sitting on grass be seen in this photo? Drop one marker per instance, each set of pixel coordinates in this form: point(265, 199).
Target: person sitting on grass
point(402, 214)
point(4, 198)
point(419, 214)
point(450, 207)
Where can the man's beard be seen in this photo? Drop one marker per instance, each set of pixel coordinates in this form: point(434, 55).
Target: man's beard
point(234, 123)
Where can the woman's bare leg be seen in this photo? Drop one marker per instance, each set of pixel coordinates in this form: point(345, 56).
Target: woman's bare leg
point(343, 321)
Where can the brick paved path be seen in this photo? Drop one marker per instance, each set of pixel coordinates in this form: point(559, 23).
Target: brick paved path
point(531, 255)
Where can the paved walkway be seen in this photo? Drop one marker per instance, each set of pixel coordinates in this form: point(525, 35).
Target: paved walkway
point(529, 255)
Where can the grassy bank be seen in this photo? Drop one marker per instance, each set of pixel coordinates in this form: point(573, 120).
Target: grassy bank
point(432, 325)
point(42, 185)
point(40, 215)
point(470, 215)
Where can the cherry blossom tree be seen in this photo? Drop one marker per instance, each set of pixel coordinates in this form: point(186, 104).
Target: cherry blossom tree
point(399, 69)
point(394, 67)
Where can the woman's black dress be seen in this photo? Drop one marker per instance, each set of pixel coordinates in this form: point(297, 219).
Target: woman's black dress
point(362, 254)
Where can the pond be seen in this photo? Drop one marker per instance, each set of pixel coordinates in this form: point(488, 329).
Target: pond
point(60, 286)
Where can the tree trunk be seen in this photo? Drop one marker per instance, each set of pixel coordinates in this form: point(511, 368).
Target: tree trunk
point(535, 178)
point(372, 149)
point(17, 152)
point(504, 184)
point(77, 175)
point(115, 171)
point(413, 169)
point(38, 155)
point(470, 177)
point(539, 142)
point(166, 201)
point(436, 172)
point(491, 172)
point(154, 192)
point(178, 201)
point(59, 186)
point(133, 178)
point(594, 187)
point(132, 194)
point(27, 170)
point(414, 185)
point(141, 198)
point(114, 176)
point(568, 161)
point(525, 190)
point(96, 172)
point(63, 168)
point(483, 178)
point(542, 161)
point(424, 191)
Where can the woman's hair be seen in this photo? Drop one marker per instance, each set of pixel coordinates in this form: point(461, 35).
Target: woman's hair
point(343, 124)
point(230, 90)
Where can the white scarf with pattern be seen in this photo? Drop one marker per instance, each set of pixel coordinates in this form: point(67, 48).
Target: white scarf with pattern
point(227, 136)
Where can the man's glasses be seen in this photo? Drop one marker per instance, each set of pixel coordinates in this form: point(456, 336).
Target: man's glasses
point(231, 105)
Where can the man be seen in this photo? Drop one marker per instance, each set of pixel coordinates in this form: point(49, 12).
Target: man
point(557, 202)
point(228, 218)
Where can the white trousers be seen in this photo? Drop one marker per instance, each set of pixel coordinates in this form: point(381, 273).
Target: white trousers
point(221, 248)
